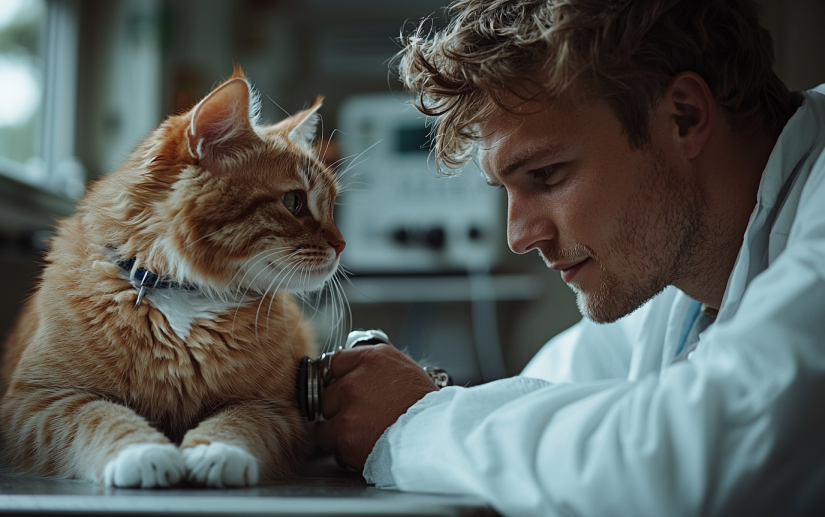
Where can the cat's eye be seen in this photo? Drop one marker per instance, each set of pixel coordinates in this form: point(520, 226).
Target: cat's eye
point(293, 201)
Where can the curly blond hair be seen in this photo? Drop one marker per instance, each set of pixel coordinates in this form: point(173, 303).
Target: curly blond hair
point(624, 51)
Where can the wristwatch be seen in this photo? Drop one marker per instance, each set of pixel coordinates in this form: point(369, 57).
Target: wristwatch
point(439, 376)
point(314, 376)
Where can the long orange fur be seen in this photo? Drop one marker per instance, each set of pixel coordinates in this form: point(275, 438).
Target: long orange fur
point(86, 373)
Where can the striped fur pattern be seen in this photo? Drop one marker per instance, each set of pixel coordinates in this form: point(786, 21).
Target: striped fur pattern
point(187, 386)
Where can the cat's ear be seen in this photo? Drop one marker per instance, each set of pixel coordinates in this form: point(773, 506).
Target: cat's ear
point(302, 126)
point(303, 133)
point(221, 125)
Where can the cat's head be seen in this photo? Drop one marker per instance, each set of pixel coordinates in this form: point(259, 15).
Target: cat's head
point(214, 198)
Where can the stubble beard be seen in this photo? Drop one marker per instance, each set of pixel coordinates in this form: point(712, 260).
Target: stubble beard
point(656, 245)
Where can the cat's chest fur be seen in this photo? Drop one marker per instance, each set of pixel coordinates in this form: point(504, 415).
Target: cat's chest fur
point(218, 355)
point(182, 308)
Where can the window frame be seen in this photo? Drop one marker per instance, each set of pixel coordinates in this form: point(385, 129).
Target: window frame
point(61, 174)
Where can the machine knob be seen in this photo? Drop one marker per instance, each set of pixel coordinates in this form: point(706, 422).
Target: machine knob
point(435, 238)
point(401, 236)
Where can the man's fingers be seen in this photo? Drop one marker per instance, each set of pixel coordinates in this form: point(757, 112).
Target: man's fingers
point(331, 400)
point(373, 385)
point(344, 361)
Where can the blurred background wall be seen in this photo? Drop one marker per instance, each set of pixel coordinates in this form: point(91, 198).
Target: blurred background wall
point(83, 81)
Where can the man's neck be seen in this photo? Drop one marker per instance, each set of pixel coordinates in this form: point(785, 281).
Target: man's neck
point(729, 173)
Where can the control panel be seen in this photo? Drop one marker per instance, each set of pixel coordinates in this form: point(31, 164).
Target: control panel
point(397, 213)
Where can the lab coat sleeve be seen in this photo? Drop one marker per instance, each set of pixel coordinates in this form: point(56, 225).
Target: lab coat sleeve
point(590, 351)
point(727, 432)
point(581, 353)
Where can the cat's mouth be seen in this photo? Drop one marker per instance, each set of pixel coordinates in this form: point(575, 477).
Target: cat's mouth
point(326, 268)
point(313, 276)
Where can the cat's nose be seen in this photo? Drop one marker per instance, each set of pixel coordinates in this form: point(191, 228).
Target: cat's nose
point(338, 245)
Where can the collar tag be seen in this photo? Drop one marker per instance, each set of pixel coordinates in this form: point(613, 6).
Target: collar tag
point(142, 290)
point(149, 279)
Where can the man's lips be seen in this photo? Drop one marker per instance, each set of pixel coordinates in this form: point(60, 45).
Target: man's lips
point(569, 269)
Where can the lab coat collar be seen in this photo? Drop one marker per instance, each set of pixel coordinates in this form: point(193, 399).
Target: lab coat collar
point(789, 156)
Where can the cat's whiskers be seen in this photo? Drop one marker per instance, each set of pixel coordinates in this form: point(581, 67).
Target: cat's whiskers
point(266, 269)
point(251, 283)
point(346, 274)
point(280, 255)
point(359, 155)
point(326, 290)
point(338, 317)
point(266, 293)
point(353, 165)
point(347, 324)
point(321, 120)
point(335, 335)
point(313, 298)
point(303, 266)
point(272, 251)
point(344, 294)
point(263, 297)
point(343, 187)
point(243, 297)
point(335, 166)
point(349, 187)
point(288, 114)
point(303, 278)
point(329, 141)
point(346, 317)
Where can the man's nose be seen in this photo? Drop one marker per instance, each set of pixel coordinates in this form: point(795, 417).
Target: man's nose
point(527, 225)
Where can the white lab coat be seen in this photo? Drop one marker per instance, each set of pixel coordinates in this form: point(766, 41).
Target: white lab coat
point(650, 416)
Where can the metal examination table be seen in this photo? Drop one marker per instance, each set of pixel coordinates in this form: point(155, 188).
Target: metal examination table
point(322, 489)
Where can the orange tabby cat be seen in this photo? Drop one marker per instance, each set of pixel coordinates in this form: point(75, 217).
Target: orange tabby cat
point(221, 217)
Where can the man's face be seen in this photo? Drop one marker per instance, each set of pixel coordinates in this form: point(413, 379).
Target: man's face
point(618, 223)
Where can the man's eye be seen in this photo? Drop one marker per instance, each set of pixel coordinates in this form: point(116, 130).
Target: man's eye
point(542, 174)
point(293, 201)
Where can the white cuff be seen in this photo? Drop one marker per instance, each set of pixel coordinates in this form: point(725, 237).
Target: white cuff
point(378, 467)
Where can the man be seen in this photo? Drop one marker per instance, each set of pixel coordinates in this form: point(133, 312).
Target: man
point(651, 155)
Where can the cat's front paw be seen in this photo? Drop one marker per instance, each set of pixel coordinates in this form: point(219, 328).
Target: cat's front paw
point(220, 465)
point(145, 465)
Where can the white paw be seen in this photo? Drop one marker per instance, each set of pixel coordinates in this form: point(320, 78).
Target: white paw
point(145, 465)
point(220, 465)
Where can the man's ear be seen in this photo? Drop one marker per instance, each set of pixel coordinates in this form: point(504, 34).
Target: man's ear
point(691, 110)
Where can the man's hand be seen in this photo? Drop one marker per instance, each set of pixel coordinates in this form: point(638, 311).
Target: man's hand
point(374, 385)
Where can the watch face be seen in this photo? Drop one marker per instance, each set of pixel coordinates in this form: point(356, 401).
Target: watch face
point(366, 337)
point(439, 376)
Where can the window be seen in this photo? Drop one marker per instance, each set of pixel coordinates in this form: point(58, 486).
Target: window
point(21, 77)
point(38, 61)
